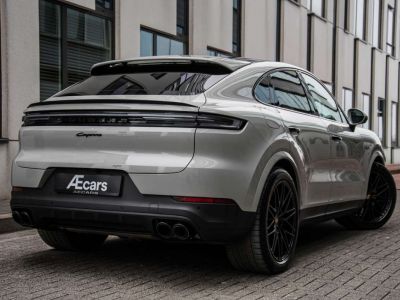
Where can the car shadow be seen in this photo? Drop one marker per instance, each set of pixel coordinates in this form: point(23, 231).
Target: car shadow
point(156, 256)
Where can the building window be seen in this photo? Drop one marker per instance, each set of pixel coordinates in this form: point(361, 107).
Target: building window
point(317, 7)
point(366, 101)
point(359, 20)
point(390, 31)
point(236, 27)
point(381, 118)
point(71, 41)
point(216, 52)
point(154, 42)
point(377, 24)
point(394, 123)
point(347, 99)
point(346, 15)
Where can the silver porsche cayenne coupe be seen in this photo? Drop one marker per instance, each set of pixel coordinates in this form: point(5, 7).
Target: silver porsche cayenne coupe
point(197, 149)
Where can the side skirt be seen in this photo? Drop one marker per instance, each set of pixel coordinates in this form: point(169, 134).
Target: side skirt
point(329, 211)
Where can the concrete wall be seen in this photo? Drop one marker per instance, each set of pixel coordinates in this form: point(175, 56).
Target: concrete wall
point(20, 74)
point(259, 29)
point(293, 34)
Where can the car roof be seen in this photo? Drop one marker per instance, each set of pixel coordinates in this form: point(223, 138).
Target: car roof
point(229, 64)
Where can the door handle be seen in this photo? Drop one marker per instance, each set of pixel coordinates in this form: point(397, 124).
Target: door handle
point(336, 138)
point(294, 130)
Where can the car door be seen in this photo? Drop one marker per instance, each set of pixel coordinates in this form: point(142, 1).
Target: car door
point(346, 145)
point(309, 136)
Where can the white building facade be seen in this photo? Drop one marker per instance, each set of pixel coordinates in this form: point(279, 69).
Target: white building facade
point(352, 45)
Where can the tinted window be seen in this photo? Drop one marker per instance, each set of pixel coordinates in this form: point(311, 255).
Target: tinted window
point(154, 83)
point(288, 91)
point(263, 91)
point(323, 101)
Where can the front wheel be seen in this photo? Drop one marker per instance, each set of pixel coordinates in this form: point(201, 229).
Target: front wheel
point(66, 240)
point(380, 202)
point(270, 246)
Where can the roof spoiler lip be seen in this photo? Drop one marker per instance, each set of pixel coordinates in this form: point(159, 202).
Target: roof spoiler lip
point(154, 60)
point(110, 101)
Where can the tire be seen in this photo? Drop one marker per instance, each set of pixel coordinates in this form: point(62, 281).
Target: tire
point(379, 205)
point(255, 252)
point(72, 241)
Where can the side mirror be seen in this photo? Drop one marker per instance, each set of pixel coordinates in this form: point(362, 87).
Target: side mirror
point(356, 117)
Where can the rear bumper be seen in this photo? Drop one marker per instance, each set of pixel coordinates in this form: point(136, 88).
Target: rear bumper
point(131, 213)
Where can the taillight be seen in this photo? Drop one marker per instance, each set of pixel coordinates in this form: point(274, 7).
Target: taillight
point(132, 118)
point(204, 200)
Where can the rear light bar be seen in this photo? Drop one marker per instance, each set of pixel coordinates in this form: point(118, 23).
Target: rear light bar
point(134, 119)
point(204, 200)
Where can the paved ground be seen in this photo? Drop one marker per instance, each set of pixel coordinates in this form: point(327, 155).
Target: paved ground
point(331, 263)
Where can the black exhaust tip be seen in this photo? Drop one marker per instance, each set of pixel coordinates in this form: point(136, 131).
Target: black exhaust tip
point(164, 230)
point(23, 218)
point(180, 231)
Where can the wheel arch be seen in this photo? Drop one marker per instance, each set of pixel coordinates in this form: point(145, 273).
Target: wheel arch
point(284, 160)
point(377, 156)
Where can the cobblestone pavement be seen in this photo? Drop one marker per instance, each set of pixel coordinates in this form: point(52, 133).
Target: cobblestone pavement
point(331, 263)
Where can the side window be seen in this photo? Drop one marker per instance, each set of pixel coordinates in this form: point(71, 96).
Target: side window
point(323, 101)
point(288, 91)
point(263, 91)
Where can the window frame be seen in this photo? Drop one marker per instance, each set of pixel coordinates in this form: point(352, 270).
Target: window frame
point(238, 11)
point(393, 47)
point(352, 98)
point(369, 109)
point(323, 8)
point(394, 143)
point(64, 6)
point(219, 51)
point(364, 21)
point(313, 111)
point(380, 15)
point(384, 112)
point(155, 33)
point(346, 22)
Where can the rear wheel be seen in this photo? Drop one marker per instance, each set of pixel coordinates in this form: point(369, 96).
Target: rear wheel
point(66, 240)
point(380, 202)
point(270, 245)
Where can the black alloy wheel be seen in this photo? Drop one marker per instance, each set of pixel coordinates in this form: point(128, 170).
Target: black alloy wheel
point(380, 202)
point(281, 221)
point(270, 245)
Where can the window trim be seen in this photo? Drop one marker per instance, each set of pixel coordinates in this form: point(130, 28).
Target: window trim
point(369, 108)
point(156, 32)
point(345, 121)
point(313, 111)
point(380, 18)
point(383, 139)
point(227, 53)
point(392, 53)
point(396, 142)
point(239, 26)
point(346, 22)
point(64, 6)
point(323, 9)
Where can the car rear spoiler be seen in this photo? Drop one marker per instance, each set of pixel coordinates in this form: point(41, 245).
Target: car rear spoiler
point(177, 64)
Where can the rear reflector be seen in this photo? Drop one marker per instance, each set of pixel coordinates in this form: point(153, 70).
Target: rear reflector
point(205, 200)
point(17, 189)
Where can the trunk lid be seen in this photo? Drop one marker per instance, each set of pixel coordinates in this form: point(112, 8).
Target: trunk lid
point(95, 132)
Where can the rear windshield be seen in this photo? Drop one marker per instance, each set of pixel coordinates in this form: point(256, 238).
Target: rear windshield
point(150, 83)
